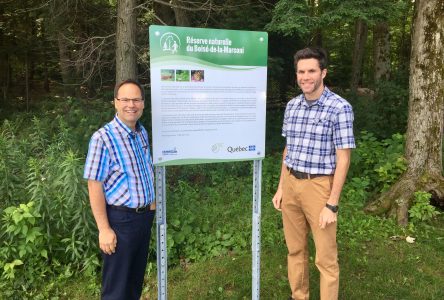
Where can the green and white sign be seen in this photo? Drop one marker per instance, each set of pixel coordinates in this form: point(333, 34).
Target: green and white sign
point(208, 91)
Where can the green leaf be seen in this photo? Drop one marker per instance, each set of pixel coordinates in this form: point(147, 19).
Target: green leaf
point(11, 228)
point(17, 262)
point(24, 229)
point(179, 237)
point(27, 215)
point(22, 252)
point(17, 217)
point(175, 223)
point(187, 229)
point(226, 236)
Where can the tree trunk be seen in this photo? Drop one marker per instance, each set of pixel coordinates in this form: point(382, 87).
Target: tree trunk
point(27, 80)
point(45, 74)
point(404, 45)
point(4, 76)
point(317, 38)
point(361, 30)
point(182, 18)
point(381, 51)
point(316, 11)
point(65, 68)
point(78, 77)
point(426, 116)
point(126, 67)
point(3, 63)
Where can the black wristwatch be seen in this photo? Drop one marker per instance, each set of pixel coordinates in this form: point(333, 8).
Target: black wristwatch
point(333, 208)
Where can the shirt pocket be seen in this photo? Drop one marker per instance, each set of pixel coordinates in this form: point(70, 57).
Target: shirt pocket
point(322, 126)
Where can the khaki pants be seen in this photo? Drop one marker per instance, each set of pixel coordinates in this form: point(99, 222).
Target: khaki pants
point(302, 202)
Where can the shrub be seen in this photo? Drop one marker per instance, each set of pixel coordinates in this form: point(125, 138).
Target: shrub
point(384, 114)
point(381, 162)
point(23, 252)
point(12, 165)
point(421, 209)
point(42, 159)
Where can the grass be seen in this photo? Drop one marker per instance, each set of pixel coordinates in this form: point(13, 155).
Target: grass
point(376, 262)
point(379, 268)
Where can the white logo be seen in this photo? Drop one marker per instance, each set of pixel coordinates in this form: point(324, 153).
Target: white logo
point(216, 147)
point(169, 42)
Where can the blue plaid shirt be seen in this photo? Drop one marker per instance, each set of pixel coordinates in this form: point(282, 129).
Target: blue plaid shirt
point(121, 159)
point(314, 132)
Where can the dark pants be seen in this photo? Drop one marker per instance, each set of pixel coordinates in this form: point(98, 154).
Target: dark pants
point(123, 271)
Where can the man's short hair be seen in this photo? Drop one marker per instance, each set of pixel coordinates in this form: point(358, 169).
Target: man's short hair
point(312, 52)
point(131, 81)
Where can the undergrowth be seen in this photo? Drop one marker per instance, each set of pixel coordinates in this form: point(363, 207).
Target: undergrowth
point(48, 234)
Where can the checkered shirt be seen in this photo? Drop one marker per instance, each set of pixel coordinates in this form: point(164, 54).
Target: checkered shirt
point(121, 159)
point(313, 133)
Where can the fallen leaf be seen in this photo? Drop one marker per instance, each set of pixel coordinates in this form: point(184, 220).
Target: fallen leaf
point(410, 239)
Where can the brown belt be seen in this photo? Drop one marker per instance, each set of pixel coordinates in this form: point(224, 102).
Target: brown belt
point(302, 175)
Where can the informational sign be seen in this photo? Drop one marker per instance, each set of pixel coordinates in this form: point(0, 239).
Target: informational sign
point(208, 93)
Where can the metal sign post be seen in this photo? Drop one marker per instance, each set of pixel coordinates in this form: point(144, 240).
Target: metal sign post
point(256, 229)
point(162, 265)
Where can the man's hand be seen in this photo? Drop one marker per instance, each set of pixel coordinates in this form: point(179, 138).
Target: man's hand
point(326, 217)
point(107, 241)
point(277, 199)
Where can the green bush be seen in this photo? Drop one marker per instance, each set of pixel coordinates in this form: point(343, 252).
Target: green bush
point(421, 209)
point(385, 113)
point(380, 162)
point(42, 159)
point(23, 251)
point(192, 236)
point(12, 165)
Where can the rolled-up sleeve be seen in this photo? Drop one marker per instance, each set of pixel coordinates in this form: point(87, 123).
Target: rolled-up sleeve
point(97, 160)
point(343, 137)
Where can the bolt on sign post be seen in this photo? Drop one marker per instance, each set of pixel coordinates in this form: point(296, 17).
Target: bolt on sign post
point(208, 93)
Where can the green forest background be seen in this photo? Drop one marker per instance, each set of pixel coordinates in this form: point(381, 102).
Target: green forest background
point(59, 63)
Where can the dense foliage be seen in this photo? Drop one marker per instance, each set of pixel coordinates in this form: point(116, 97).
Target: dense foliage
point(47, 230)
point(68, 46)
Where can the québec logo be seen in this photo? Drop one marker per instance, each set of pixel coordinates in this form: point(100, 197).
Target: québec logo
point(241, 148)
point(170, 42)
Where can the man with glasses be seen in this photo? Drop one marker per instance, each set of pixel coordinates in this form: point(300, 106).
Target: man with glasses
point(121, 191)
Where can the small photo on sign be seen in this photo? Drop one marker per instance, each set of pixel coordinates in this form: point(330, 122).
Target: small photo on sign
point(197, 75)
point(166, 75)
point(182, 75)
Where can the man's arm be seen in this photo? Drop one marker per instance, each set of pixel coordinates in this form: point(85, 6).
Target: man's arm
point(107, 236)
point(342, 163)
point(277, 199)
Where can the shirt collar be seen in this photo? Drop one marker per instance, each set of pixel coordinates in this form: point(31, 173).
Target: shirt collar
point(118, 124)
point(320, 101)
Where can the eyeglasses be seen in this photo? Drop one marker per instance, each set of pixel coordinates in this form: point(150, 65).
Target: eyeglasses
point(135, 100)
